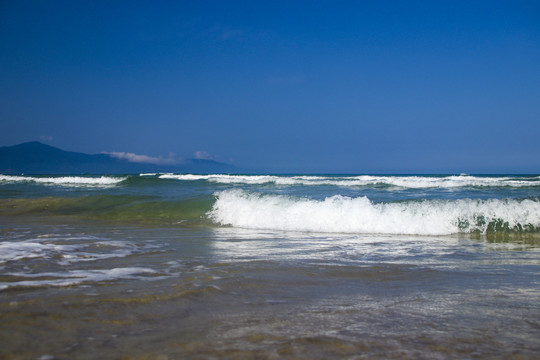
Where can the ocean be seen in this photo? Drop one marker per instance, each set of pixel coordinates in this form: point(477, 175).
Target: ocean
point(184, 266)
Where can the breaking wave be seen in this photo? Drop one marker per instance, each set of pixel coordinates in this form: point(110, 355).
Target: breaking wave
point(413, 182)
point(64, 180)
point(340, 214)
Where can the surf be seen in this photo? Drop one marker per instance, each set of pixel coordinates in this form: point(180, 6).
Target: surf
point(341, 214)
point(406, 182)
point(64, 180)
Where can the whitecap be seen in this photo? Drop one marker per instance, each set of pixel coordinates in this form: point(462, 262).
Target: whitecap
point(341, 214)
point(64, 180)
point(410, 182)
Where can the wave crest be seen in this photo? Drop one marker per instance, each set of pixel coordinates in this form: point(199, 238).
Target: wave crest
point(411, 182)
point(65, 180)
point(340, 214)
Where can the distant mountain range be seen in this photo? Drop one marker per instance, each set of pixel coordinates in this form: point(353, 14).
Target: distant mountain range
point(37, 158)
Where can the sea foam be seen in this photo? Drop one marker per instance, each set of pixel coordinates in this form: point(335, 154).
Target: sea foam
point(340, 214)
point(81, 249)
point(22, 261)
point(75, 277)
point(65, 180)
point(412, 182)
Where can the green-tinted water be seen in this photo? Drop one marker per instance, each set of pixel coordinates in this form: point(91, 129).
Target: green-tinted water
point(160, 269)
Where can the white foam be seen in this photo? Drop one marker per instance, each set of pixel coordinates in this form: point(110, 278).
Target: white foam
point(23, 261)
point(340, 214)
point(65, 180)
point(414, 182)
point(14, 251)
point(234, 179)
point(61, 253)
point(75, 277)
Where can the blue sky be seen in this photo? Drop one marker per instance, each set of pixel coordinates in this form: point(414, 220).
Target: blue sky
point(294, 86)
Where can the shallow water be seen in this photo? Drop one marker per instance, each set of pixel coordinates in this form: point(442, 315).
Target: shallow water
point(75, 283)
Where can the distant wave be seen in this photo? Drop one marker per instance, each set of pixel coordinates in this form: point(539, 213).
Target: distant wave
point(64, 180)
point(340, 214)
point(413, 182)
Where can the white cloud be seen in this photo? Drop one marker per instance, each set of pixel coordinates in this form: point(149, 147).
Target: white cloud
point(145, 159)
point(45, 138)
point(202, 155)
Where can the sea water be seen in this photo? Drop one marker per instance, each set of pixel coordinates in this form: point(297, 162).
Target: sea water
point(173, 266)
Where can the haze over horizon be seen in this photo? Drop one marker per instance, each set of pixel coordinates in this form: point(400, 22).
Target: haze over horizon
point(296, 86)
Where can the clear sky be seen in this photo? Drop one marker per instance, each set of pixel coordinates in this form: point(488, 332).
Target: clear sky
point(294, 86)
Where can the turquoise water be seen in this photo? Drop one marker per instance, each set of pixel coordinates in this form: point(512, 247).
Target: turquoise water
point(298, 266)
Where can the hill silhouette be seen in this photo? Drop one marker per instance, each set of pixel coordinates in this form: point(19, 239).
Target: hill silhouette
point(38, 158)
